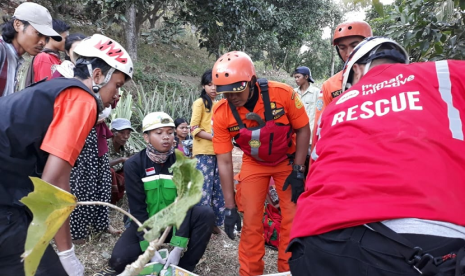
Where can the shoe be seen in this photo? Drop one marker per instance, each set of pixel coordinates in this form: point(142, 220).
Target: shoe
point(107, 271)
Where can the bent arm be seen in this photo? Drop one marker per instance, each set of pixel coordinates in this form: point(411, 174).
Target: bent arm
point(204, 135)
point(302, 140)
point(225, 167)
point(57, 172)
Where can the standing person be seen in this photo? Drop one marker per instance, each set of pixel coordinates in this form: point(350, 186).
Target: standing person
point(381, 202)
point(201, 129)
point(150, 189)
point(266, 119)
point(346, 37)
point(182, 138)
point(26, 32)
point(55, 119)
point(43, 64)
point(308, 93)
point(119, 154)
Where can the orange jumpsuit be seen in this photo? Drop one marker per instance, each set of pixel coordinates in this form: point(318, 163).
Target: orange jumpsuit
point(287, 108)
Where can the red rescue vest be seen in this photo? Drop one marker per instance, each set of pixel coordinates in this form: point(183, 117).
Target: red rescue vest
point(267, 143)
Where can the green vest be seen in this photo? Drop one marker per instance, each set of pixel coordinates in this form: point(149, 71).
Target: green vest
point(160, 192)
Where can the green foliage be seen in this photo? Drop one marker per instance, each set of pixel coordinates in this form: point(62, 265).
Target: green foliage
point(429, 30)
point(189, 183)
point(176, 103)
point(50, 206)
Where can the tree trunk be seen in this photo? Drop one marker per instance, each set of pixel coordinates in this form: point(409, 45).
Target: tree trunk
point(131, 32)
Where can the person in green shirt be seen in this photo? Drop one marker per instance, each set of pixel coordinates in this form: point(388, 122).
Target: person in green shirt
point(149, 188)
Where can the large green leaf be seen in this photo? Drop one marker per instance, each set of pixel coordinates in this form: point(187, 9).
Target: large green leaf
point(189, 183)
point(50, 206)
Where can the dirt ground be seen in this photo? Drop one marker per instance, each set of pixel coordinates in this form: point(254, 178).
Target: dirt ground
point(220, 257)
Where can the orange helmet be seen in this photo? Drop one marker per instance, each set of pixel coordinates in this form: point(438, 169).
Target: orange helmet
point(359, 28)
point(232, 71)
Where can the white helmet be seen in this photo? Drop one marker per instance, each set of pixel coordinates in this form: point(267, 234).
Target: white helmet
point(369, 50)
point(107, 49)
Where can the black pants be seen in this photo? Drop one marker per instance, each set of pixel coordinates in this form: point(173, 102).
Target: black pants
point(201, 222)
point(13, 230)
point(358, 251)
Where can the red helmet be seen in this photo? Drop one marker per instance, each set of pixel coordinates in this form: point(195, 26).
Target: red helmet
point(353, 28)
point(232, 71)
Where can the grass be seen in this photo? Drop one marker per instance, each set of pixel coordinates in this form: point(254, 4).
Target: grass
point(220, 258)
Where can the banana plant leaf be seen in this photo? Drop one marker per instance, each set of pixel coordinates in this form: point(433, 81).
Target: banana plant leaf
point(50, 206)
point(189, 183)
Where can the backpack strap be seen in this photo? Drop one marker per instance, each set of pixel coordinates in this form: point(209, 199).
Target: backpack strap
point(263, 84)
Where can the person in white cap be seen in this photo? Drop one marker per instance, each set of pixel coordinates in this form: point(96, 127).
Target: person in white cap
point(150, 189)
point(42, 131)
point(27, 32)
point(118, 153)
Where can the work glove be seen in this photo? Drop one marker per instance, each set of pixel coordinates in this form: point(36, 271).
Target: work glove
point(231, 219)
point(157, 258)
point(174, 257)
point(71, 263)
point(296, 180)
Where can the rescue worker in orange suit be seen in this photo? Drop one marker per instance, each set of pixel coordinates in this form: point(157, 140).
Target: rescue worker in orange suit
point(267, 120)
point(346, 37)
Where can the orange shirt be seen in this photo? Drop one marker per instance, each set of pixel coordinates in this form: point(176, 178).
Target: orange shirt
point(74, 115)
point(286, 106)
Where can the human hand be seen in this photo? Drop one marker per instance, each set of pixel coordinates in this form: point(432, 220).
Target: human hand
point(71, 263)
point(231, 219)
point(296, 180)
point(174, 257)
point(157, 258)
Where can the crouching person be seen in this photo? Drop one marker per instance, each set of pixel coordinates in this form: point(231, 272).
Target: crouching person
point(149, 188)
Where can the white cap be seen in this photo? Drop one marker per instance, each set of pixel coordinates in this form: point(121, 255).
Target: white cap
point(121, 123)
point(39, 18)
point(156, 120)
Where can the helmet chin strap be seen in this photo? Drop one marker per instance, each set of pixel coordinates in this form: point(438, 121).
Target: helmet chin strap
point(96, 87)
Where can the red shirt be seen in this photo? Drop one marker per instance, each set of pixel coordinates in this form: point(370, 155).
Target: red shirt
point(42, 66)
point(390, 147)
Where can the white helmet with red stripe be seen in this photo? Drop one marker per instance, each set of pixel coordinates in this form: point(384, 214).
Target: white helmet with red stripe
point(369, 49)
point(107, 49)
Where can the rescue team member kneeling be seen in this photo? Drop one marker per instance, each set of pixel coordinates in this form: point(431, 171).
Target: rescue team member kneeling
point(390, 199)
point(261, 117)
point(150, 189)
point(42, 131)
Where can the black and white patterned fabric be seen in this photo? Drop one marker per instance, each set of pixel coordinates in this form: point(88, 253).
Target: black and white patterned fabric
point(90, 181)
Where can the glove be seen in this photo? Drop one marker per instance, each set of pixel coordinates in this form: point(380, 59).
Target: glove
point(174, 257)
point(231, 218)
point(71, 263)
point(296, 180)
point(157, 258)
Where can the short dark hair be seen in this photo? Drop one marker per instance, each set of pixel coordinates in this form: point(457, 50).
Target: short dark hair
point(70, 41)
point(206, 79)
point(8, 29)
point(179, 121)
point(81, 70)
point(60, 26)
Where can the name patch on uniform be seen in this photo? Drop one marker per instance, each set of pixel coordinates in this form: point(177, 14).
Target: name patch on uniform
point(150, 171)
point(254, 143)
point(234, 128)
point(336, 94)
